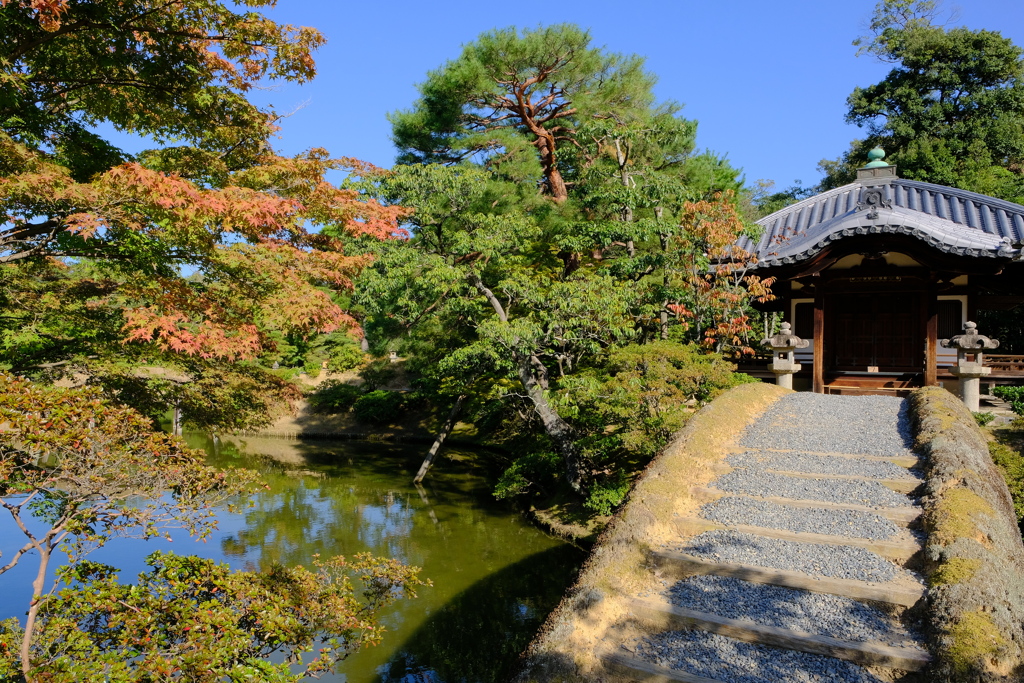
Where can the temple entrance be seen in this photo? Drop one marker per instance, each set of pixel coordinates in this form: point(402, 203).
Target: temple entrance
point(874, 333)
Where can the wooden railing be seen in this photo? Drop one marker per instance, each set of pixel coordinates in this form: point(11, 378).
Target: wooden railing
point(1003, 363)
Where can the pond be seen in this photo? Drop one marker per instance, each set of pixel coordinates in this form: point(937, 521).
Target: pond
point(495, 576)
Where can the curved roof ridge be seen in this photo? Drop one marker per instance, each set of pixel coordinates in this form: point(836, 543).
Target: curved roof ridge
point(946, 218)
point(804, 203)
point(962, 194)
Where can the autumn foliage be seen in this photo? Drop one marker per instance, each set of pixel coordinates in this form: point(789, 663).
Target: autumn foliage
point(207, 246)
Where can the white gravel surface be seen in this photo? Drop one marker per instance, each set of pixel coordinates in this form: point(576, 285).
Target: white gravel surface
point(833, 561)
point(731, 510)
point(809, 463)
point(754, 482)
point(872, 425)
point(733, 661)
point(815, 613)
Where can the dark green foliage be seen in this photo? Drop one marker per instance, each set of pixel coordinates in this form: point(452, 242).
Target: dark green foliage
point(623, 412)
point(607, 494)
point(539, 470)
point(379, 407)
point(983, 418)
point(378, 373)
point(334, 396)
point(1006, 326)
point(468, 109)
point(950, 112)
point(1011, 463)
point(1012, 395)
point(506, 293)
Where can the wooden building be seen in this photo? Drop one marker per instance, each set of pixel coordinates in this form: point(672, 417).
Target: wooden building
point(877, 271)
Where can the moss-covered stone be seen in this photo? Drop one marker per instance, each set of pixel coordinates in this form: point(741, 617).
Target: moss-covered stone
point(974, 643)
point(954, 517)
point(955, 570)
point(974, 554)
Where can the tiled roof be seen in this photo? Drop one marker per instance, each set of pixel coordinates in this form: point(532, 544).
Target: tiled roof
point(951, 220)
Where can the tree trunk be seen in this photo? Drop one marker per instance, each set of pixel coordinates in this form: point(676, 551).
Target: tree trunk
point(556, 183)
point(176, 420)
point(453, 416)
point(33, 611)
point(533, 376)
point(557, 429)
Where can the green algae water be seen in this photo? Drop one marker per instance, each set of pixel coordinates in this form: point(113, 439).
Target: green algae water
point(495, 576)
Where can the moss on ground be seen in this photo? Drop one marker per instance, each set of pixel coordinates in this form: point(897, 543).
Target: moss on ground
point(1011, 463)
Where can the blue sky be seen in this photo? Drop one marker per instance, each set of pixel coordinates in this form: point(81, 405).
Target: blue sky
point(767, 81)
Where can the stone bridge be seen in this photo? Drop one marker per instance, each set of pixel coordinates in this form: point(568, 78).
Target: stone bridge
point(803, 537)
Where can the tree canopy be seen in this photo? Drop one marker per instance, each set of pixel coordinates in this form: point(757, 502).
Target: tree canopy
point(951, 111)
point(199, 255)
point(161, 279)
point(512, 88)
point(559, 213)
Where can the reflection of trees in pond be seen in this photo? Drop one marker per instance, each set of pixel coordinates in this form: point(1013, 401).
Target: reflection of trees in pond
point(495, 577)
point(331, 499)
point(478, 635)
point(299, 517)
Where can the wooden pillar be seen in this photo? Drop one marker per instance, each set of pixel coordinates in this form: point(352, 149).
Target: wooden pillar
point(818, 382)
point(931, 334)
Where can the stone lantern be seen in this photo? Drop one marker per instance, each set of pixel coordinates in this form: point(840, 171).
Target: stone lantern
point(970, 361)
point(783, 363)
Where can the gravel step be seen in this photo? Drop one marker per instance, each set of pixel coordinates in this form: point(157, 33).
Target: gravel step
point(863, 653)
point(636, 669)
point(820, 614)
point(894, 550)
point(734, 661)
point(736, 510)
point(867, 493)
point(810, 463)
point(905, 590)
point(814, 559)
point(904, 486)
point(873, 425)
point(906, 460)
point(899, 515)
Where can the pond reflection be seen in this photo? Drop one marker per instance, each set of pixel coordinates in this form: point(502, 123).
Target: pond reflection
point(495, 576)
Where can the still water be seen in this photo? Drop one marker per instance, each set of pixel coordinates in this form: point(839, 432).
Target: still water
point(495, 576)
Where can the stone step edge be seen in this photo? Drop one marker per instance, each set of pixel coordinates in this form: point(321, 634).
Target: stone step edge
point(900, 515)
point(635, 669)
point(862, 653)
point(681, 565)
point(893, 550)
point(897, 485)
point(901, 460)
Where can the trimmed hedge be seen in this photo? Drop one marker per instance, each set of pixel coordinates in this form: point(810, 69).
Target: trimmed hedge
point(974, 555)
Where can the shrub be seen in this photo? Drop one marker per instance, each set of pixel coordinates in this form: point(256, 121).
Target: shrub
point(379, 407)
point(605, 496)
point(623, 414)
point(333, 397)
point(983, 418)
point(1012, 395)
point(378, 373)
point(527, 472)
